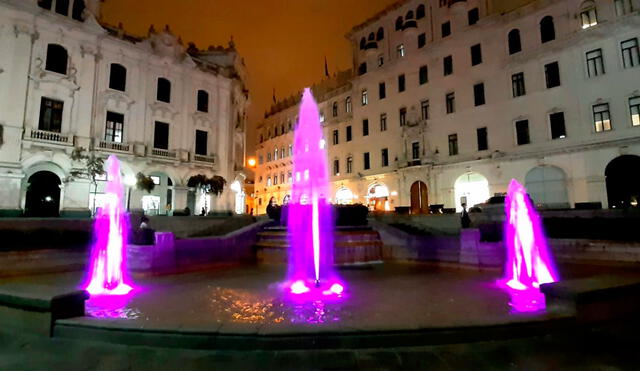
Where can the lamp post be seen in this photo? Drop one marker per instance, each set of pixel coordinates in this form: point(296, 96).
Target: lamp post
point(129, 181)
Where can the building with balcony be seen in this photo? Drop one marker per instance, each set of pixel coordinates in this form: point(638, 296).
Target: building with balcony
point(67, 81)
point(453, 99)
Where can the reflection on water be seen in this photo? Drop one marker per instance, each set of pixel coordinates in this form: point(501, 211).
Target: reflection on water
point(526, 301)
point(109, 306)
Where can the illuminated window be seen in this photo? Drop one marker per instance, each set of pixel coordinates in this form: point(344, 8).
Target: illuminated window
point(588, 14)
point(364, 97)
point(401, 51)
point(634, 109)
point(601, 117)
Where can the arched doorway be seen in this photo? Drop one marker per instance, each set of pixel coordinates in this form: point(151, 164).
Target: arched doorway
point(547, 187)
point(623, 185)
point(286, 200)
point(344, 196)
point(472, 189)
point(419, 198)
point(43, 195)
point(378, 197)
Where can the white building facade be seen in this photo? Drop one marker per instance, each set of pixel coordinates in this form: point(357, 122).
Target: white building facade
point(67, 82)
point(453, 99)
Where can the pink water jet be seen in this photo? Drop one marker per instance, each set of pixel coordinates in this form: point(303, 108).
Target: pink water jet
point(107, 269)
point(310, 221)
point(529, 263)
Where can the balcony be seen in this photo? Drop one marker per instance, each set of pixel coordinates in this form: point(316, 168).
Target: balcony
point(204, 159)
point(163, 153)
point(49, 137)
point(106, 146)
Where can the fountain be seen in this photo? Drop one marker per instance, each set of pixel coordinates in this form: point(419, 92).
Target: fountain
point(310, 221)
point(528, 263)
point(107, 270)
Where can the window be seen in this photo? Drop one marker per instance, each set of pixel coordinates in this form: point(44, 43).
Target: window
point(634, 110)
point(50, 115)
point(334, 109)
point(630, 53)
point(349, 136)
point(476, 55)
point(203, 102)
point(420, 13)
point(622, 7)
point(552, 75)
point(347, 104)
point(401, 51)
point(349, 165)
point(415, 150)
point(336, 167)
point(268, 156)
point(289, 177)
point(483, 141)
point(365, 127)
point(363, 43)
point(453, 144)
point(114, 126)
point(382, 90)
point(385, 157)
point(422, 40)
point(547, 29)
point(380, 34)
point(403, 116)
point(62, 7)
point(57, 59)
point(424, 109)
point(321, 118)
point(383, 122)
point(281, 178)
point(423, 75)
point(522, 132)
point(283, 153)
point(447, 63)
point(446, 29)
point(161, 135)
point(601, 117)
point(588, 15)
point(517, 84)
point(380, 60)
point(558, 130)
point(362, 68)
point(201, 142)
point(45, 4)
point(78, 9)
point(399, 23)
point(473, 16)
point(515, 46)
point(275, 179)
point(401, 83)
point(364, 97)
point(164, 90)
point(268, 181)
point(260, 161)
point(367, 164)
point(275, 154)
point(450, 100)
point(290, 150)
point(595, 63)
point(117, 77)
point(478, 94)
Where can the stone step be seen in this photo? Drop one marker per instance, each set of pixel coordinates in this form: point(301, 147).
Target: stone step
point(337, 245)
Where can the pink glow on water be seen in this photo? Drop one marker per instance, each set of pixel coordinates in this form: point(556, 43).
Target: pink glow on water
point(299, 287)
point(310, 223)
point(529, 263)
point(107, 270)
point(336, 288)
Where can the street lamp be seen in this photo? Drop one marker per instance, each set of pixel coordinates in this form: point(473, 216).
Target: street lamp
point(251, 162)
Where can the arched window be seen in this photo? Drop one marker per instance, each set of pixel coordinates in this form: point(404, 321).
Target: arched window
point(380, 34)
point(62, 7)
point(203, 101)
point(261, 138)
point(347, 104)
point(420, 12)
point(57, 59)
point(547, 29)
point(372, 37)
point(78, 9)
point(117, 77)
point(588, 14)
point(282, 128)
point(363, 43)
point(409, 15)
point(335, 109)
point(45, 4)
point(514, 41)
point(399, 23)
point(164, 90)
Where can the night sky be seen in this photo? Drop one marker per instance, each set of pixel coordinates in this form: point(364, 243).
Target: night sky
point(284, 42)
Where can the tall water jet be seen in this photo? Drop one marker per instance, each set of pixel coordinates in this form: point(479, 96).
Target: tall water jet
point(310, 223)
point(529, 263)
point(107, 269)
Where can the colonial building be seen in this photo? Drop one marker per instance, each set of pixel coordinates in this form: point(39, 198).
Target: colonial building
point(453, 99)
point(67, 81)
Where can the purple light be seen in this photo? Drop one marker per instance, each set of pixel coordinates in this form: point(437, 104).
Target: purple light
point(107, 270)
point(528, 263)
point(310, 222)
point(337, 288)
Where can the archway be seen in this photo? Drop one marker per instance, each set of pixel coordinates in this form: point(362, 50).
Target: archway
point(378, 197)
point(623, 186)
point(236, 187)
point(43, 195)
point(419, 198)
point(547, 187)
point(344, 196)
point(286, 199)
point(472, 189)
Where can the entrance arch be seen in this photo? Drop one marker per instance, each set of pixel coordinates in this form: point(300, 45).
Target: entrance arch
point(623, 186)
point(547, 186)
point(419, 198)
point(43, 195)
point(471, 188)
point(378, 197)
point(344, 196)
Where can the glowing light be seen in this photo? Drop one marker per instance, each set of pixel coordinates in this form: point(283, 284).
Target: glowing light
point(299, 287)
point(528, 263)
point(337, 288)
point(107, 271)
point(251, 162)
point(48, 199)
point(394, 193)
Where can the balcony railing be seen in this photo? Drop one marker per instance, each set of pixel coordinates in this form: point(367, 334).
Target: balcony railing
point(113, 146)
point(163, 153)
point(50, 136)
point(203, 158)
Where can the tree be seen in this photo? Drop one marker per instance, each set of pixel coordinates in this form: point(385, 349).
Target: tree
point(144, 183)
point(214, 185)
point(92, 169)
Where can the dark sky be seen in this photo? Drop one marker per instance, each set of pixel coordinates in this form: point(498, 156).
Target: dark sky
point(284, 42)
